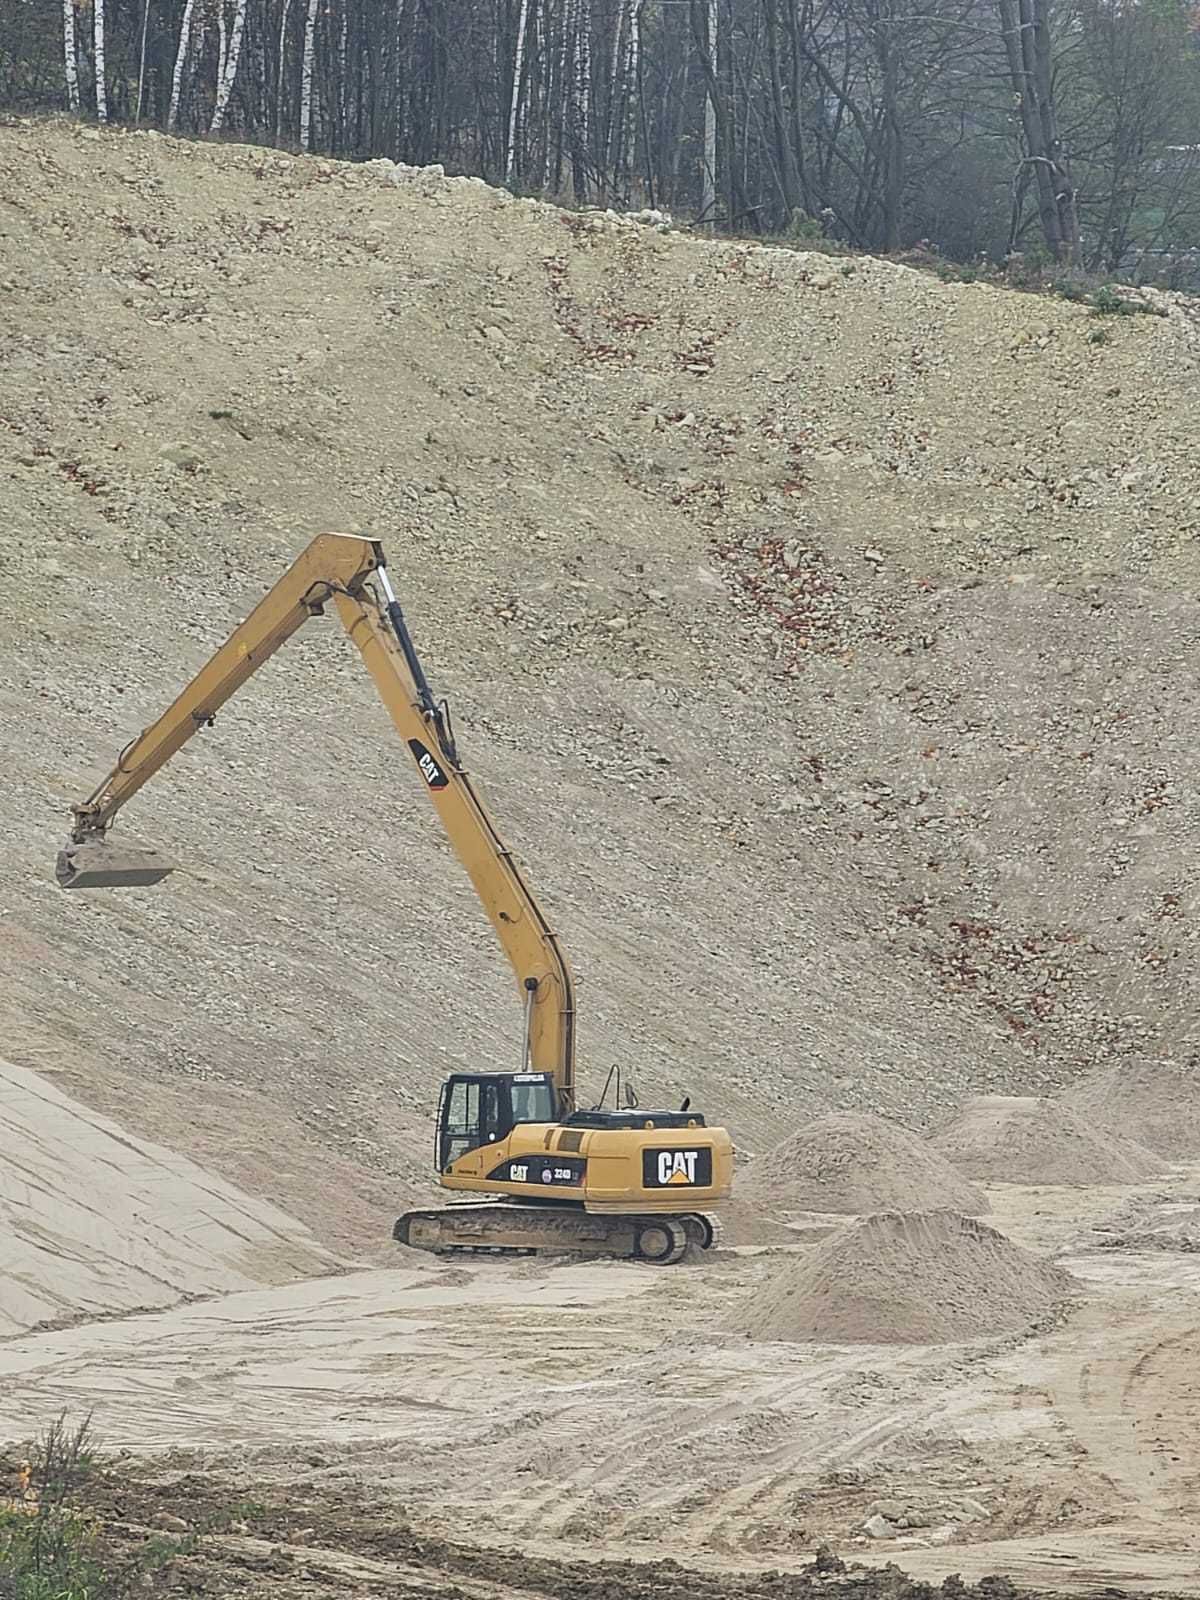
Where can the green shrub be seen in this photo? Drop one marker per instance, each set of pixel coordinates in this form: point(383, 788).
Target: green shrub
point(47, 1545)
point(50, 1548)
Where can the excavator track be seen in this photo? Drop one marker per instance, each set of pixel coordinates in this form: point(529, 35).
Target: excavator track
point(500, 1228)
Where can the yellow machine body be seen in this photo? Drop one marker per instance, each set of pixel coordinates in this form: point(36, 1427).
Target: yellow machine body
point(615, 1170)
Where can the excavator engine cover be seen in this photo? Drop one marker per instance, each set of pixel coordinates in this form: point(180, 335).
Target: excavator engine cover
point(99, 865)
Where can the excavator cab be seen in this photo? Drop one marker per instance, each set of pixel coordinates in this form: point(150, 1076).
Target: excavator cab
point(481, 1108)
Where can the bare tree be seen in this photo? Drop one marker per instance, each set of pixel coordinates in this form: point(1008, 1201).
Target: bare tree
point(281, 59)
point(181, 53)
point(141, 78)
point(98, 60)
point(1027, 42)
point(306, 77)
point(227, 65)
point(1133, 94)
point(707, 39)
point(880, 122)
point(514, 101)
point(70, 57)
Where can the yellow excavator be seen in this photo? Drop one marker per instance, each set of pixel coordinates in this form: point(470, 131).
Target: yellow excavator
point(606, 1182)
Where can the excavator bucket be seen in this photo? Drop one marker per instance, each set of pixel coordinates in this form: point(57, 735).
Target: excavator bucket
point(100, 865)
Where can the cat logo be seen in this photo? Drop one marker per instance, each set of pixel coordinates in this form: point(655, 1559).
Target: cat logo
point(433, 774)
point(676, 1166)
point(669, 1169)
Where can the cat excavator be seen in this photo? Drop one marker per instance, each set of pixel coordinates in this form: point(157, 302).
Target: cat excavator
point(533, 1171)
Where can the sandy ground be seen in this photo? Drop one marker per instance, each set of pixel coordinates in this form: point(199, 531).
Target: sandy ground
point(606, 1418)
point(96, 1222)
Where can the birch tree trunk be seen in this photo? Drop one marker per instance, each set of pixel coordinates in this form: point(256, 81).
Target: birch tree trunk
point(98, 55)
point(280, 70)
point(341, 80)
point(231, 51)
point(613, 120)
point(633, 78)
point(566, 74)
point(708, 182)
point(222, 43)
point(137, 115)
point(306, 77)
point(185, 34)
point(581, 93)
point(70, 59)
point(545, 56)
point(514, 104)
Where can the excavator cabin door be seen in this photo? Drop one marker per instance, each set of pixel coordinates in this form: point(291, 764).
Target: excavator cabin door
point(480, 1109)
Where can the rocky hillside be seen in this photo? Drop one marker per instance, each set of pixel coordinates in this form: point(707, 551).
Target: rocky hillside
point(823, 636)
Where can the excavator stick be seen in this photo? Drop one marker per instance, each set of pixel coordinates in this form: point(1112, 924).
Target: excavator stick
point(96, 864)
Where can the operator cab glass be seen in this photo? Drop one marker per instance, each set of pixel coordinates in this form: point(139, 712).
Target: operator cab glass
point(533, 1098)
point(477, 1109)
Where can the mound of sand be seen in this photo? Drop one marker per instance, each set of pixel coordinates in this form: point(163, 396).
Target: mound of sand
point(1155, 1102)
point(94, 1222)
point(907, 1278)
point(744, 1223)
point(1154, 1223)
point(1024, 1139)
point(859, 1163)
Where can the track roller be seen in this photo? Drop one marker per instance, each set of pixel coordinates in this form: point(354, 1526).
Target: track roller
point(662, 1241)
point(505, 1227)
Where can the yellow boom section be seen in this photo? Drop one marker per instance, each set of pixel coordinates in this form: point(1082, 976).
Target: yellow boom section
point(351, 572)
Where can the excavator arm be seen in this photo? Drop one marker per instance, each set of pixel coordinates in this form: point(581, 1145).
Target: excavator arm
point(351, 573)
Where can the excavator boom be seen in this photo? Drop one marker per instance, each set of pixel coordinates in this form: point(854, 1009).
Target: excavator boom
point(350, 573)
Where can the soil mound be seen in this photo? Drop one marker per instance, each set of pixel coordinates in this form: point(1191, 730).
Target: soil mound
point(1154, 1223)
point(859, 1163)
point(907, 1278)
point(1155, 1102)
point(93, 1221)
point(1025, 1139)
point(744, 1223)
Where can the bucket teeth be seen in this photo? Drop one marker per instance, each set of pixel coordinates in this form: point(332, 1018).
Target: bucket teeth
point(97, 865)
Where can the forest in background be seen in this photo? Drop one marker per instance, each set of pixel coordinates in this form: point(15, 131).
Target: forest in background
point(1064, 133)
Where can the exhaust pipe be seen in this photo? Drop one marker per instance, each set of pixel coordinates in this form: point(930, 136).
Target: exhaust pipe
point(97, 864)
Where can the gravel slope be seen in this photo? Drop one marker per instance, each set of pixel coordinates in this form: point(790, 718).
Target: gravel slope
point(820, 634)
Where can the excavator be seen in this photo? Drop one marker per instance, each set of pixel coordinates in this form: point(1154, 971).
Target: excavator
point(533, 1171)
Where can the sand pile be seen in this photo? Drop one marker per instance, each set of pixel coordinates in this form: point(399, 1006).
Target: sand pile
point(1153, 1223)
point(1155, 1102)
point(907, 1278)
point(93, 1221)
point(745, 1223)
point(1025, 1139)
point(858, 1163)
